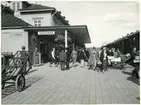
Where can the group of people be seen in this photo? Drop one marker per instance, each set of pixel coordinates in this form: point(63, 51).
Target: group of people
point(97, 59)
point(93, 58)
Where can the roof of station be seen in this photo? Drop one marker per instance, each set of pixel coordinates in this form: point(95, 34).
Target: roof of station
point(79, 31)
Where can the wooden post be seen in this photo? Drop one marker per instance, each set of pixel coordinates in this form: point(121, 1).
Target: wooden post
point(66, 43)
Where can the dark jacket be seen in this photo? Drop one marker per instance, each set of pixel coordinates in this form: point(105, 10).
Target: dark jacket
point(62, 56)
point(68, 55)
point(133, 54)
point(23, 55)
point(87, 54)
point(82, 55)
point(110, 53)
point(102, 56)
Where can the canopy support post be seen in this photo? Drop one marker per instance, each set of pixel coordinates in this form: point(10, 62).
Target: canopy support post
point(66, 43)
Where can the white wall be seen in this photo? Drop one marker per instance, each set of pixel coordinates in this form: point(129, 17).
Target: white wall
point(13, 39)
point(20, 5)
point(46, 19)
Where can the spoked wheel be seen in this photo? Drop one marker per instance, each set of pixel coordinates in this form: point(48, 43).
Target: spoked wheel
point(20, 83)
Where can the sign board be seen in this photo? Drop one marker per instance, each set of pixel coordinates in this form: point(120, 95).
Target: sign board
point(36, 18)
point(46, 33)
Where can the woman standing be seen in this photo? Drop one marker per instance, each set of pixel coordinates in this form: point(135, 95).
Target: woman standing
point(74, 57)
point(92, 59)
point(36, 57)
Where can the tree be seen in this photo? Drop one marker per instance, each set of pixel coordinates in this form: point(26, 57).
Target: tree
point(61, 39)
point(34, 40)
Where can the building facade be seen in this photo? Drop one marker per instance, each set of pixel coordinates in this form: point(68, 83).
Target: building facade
point(13, 35)
point(43, 23)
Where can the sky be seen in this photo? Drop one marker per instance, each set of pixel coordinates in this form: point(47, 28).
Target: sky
point(106, 20)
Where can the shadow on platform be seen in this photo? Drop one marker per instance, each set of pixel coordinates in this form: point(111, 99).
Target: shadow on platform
point(131, 78)
point(135, 80)
point(32, 71)
point(128, 73)
point(10, 89)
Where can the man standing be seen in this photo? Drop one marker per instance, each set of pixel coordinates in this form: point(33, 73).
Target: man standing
point(135, 62)
point(24, 56)
point(57, 57)
point(82, 56)
point(104, 59)
point(96, 58)
point(62, 57)
point(68, 58)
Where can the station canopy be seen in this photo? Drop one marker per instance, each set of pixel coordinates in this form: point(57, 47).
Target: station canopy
point(80, 32)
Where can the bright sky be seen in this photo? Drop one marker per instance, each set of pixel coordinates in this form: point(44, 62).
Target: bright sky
point(106, 20)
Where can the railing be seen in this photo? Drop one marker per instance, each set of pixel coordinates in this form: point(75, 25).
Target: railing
point(16, 62)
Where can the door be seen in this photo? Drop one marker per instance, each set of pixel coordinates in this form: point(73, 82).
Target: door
point(44, 53)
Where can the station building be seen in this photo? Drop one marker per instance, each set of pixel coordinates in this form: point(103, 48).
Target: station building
point(35, 25)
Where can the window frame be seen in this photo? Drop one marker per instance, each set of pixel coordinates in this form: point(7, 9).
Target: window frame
point(14, 6)
point(18, 6)
point(37, 23)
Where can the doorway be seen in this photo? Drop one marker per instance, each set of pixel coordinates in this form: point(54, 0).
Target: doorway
point(44, 48)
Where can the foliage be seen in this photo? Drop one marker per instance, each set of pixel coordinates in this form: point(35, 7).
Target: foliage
point(34, 39)
point(61, 39)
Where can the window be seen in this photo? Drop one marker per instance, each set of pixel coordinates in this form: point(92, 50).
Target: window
point(14, 6)
point(37, 23)
point(18, 6)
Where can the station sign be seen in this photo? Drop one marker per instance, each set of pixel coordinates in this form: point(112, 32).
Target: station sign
point(46, 33)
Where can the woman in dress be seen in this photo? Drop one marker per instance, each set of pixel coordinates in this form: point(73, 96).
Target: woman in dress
point(92, 59)
point(36, 57)
point(74, 57)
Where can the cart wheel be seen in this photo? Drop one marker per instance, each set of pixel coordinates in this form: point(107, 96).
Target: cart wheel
point(3, 84)
point(20, 83)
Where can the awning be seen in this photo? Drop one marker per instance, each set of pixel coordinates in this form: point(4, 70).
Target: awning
point(79, 31)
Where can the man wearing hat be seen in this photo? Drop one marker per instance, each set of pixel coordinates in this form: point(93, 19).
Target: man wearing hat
point(104, 59)
point(63, 58)
point(24, 55)
point(68, 58)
